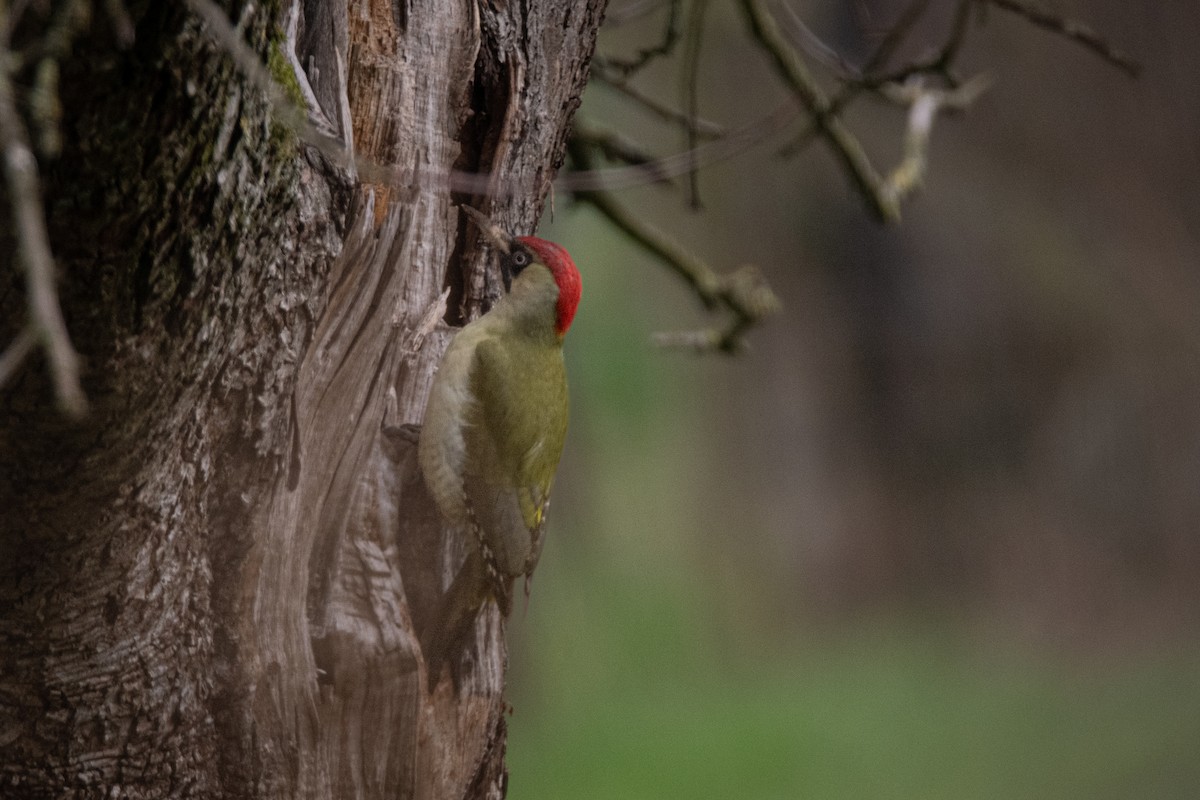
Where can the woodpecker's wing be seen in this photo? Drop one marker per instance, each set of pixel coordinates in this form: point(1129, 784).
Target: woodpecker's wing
point(442, 448)
point(514, 445)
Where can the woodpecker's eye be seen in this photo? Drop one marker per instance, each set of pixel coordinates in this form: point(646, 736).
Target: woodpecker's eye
point(519, 259)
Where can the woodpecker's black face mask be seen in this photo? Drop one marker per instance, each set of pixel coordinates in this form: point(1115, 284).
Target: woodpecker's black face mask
point(514, 264)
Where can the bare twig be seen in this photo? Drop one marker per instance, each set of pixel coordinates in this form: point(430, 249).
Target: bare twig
point(733, 143)
point(616, 147)
point(896, 35)
point(924, 104)
point(18, 350)
point(808, 41)
point(824, 113)
point(1072, 29)
point(744, 294)
point(46, 325)
point(629, 12)
point(704, 129)
point(695, 272)
point(691, 89)
point(54, 44)
point(627, 67)
point(940, 64)
point(827, 125)
point(69, 19)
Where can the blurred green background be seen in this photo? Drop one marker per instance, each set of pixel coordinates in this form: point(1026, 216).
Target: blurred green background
point(936, 534)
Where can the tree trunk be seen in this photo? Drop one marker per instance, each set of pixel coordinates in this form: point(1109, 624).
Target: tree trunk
point(217, 584)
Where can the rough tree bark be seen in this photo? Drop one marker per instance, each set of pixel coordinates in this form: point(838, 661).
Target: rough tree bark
point(216, 585)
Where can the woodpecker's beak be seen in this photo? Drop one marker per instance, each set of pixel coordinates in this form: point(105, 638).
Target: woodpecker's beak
point(491, 231)
point(498, 237)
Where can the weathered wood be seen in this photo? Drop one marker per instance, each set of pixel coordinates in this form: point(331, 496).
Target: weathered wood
point(216, 585)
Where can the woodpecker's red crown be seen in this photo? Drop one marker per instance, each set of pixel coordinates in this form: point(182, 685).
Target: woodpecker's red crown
point(566, 275)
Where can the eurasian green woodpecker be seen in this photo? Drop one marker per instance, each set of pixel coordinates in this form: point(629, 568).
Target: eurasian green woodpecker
point(495, 424)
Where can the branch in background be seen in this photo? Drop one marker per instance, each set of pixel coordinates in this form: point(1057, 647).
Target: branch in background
point(69, 20)
point(743, 294)
point(18, 350)
point(694, 272)
point(691, 91)
point(869, 79)
point(940, 63)
point(898, 33)
point(746, 293)
point(627, 67)
point(748, 305)
point(923, 107)
point(45, 325)
point(808, 42)
point(731, 144)
point(703, 129)
point(615, 147)
point(904, 85)
point(1072, 29)
point(624, 14)
point(828, 126)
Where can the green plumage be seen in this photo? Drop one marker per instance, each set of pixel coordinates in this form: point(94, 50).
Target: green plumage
point(493, 433)
point(494, 429)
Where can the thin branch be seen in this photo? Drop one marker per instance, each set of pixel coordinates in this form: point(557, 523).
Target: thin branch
point(627, 67)
point(807, 41)
point(691, 90)
point(18, 350)
point(704, 129)
point(744, 289)
point(629, 12)
point(1074, 30)
point(46, 324)
point(616, 147)
point(744, 294)
point(694, 271)
point(897, 34)
point(734, 143)
point(827, 125)
point(924, 104)
point(940, 63)
point(68, 20)
point(824, 113)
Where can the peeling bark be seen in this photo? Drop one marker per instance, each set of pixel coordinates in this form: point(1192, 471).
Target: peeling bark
point(216, 585)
